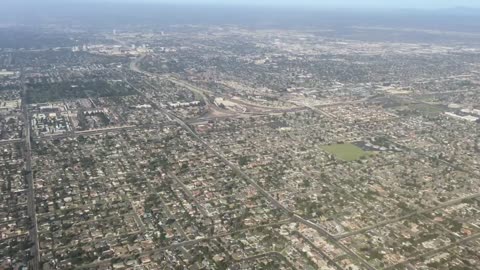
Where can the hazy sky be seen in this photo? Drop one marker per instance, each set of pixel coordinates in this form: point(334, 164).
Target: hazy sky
point(418, 4)
point(429, 4)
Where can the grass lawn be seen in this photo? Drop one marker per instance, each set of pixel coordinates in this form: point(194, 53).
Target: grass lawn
point(347, 152)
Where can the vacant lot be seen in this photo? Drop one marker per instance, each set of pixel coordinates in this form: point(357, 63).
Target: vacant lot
point(347, 152)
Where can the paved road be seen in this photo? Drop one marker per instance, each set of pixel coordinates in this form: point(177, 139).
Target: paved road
point(274, 202)
point(200, 207)
point(430, 253)
point(85, 132)
point(4, 142)
point(341, 236)
point(316, 248)
point(259, 189)
point(31, 207)
point(179, 245)
point(414, 213)
point(278, 255)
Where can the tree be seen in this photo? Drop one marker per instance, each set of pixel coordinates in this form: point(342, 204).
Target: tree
point(306, 183)
point(243, 161)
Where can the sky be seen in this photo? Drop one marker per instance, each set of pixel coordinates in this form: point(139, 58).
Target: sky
point(418, 4)
point(367, 4)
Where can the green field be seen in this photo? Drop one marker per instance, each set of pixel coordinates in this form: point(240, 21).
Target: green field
point(347, 152)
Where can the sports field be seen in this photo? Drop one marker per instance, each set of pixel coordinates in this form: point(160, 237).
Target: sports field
point(347, 152)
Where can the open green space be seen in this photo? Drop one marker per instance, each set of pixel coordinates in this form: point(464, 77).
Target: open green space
point(347, 152)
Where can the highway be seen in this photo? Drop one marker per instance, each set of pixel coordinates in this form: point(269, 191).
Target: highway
point(259, 189)
point(195, 135)
point(31, 207)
